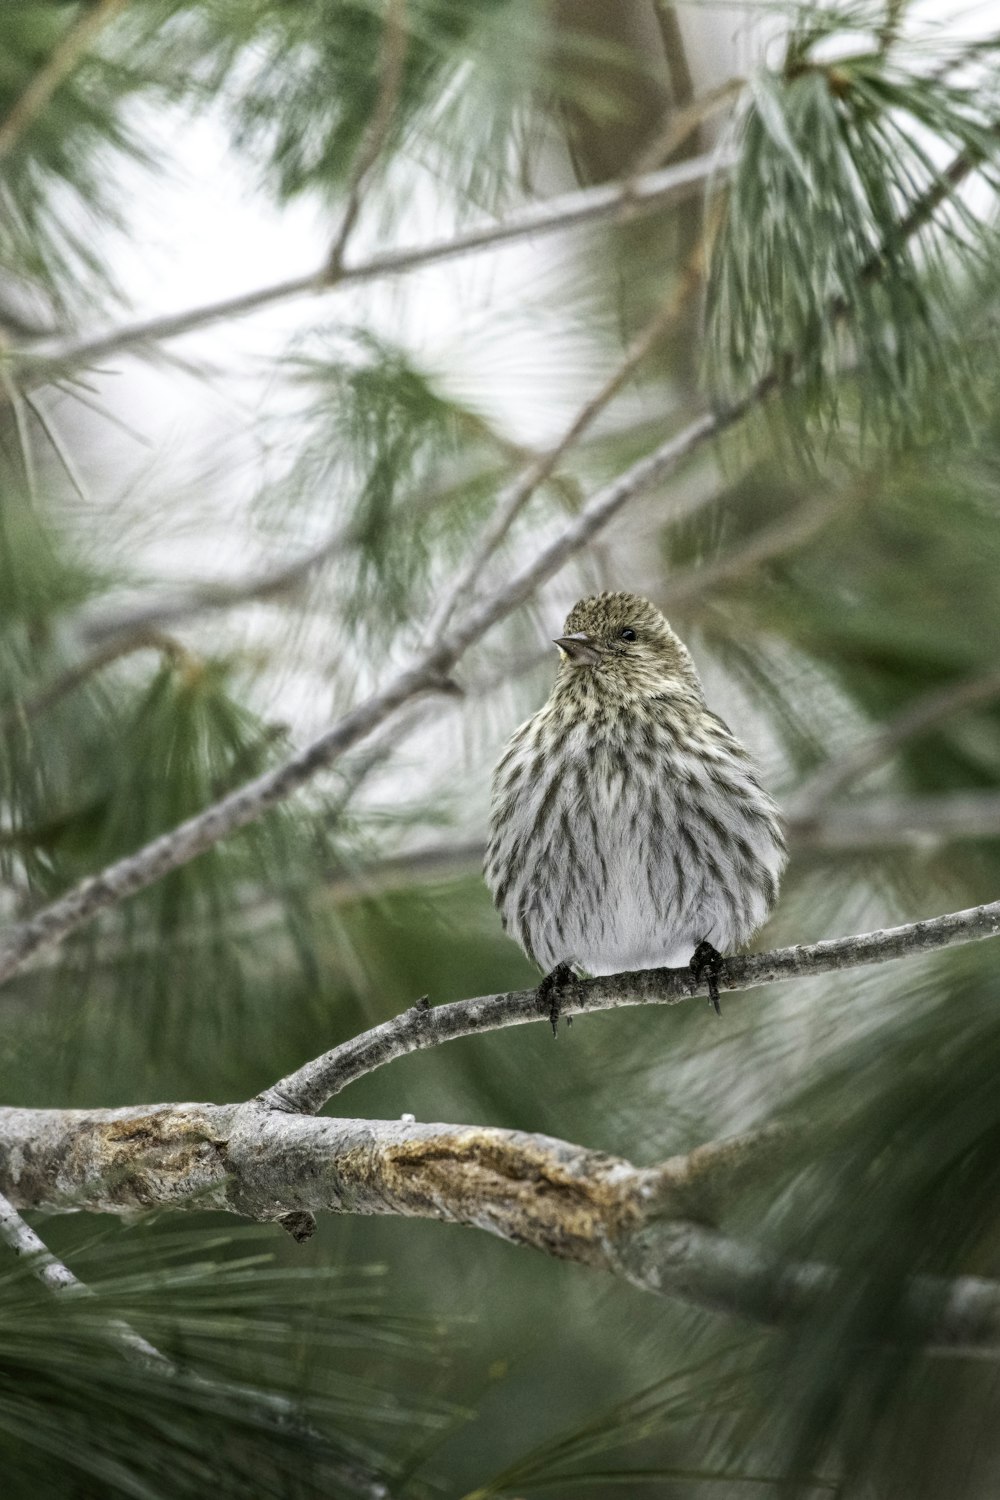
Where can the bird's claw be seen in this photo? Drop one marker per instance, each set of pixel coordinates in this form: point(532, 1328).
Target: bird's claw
point(706, 963)
point(547, 995)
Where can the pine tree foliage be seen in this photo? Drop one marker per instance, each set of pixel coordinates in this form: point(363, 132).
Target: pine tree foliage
point(833, 561)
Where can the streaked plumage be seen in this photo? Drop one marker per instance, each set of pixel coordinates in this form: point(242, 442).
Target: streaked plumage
point(628, 824)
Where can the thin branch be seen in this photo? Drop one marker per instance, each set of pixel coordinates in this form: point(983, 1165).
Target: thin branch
point(645, 1224)
point(60, 65)
point(309, 1087)
point(94, 662)
point(427, 674)
point(675, 54)
point(392, 58)
point(60, 1280)
point(106, 624)
point(900, 822)
point(682, 123)
point(912, 721)
point(98, 623)
point(590, 205)
point(277, 1412)
point(511, 502)
point(786, 535)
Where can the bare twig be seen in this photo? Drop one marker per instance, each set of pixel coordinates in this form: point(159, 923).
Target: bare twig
point(64, 58)
point(392, 58)
point(512, 501)
point(912, 721)
point(106, 624)
point(791, 532)
point(899, 822)
point(682, 123)
point(645, 1224)
point(59, 1279)
point(75, 676)
point(310, 1087)
point(590, 205)
point(99, 622)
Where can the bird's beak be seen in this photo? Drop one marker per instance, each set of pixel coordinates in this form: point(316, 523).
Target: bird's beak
point(579, 649)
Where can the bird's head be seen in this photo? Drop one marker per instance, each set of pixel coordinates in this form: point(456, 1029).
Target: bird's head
point(621, 645)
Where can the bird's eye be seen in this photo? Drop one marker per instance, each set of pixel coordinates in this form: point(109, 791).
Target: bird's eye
point(627, 634)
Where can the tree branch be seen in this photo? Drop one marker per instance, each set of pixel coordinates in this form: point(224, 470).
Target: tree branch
point(392, 57)
point(275, 1411)
point(899, 822)
point(640, 1223)
point(59, 1279)
point(65, 57)
point(309, 1087)
point(93, 662)
point(590, 205)
point(515, 497)
point(915, 719)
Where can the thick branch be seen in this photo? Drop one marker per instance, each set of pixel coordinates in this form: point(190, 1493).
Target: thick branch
point(311, 1086)
point(672, 184)
point(533, 1190)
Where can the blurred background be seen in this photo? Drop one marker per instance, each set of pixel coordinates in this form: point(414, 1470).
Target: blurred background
point(219, 532)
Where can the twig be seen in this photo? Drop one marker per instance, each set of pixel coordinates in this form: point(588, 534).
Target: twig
point(681, 125)
point(791, 532)
point(309, 1088)
point(59, 1279)
point(590, 205)
point(427, 674)
point(64, 58)
point(912, 721)
point(392, 58)
point(645, 1224)
point(899, 822)
point(512, 501)
point(75, 676)
point(278, 1412)
point(101, 622)
point(108, 623)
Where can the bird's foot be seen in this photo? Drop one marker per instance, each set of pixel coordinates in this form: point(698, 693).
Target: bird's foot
point(706, 963)
point(548, 995)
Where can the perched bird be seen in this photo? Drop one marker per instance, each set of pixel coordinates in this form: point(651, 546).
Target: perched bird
point(628, 828)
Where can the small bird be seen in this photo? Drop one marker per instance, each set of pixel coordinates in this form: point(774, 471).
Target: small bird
point(628, 827)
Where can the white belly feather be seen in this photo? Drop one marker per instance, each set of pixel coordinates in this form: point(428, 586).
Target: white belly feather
point(601, 861)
